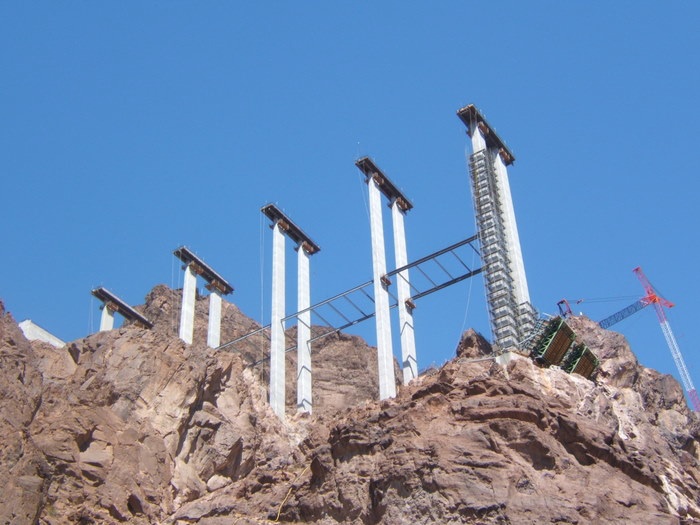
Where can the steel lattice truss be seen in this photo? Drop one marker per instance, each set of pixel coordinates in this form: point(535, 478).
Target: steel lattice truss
point(335, 314)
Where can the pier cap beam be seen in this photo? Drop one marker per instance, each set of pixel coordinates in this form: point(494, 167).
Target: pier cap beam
point(115, 304)
point(388, 188)
point(201, 268)
point(472, 118)
point(290, 229)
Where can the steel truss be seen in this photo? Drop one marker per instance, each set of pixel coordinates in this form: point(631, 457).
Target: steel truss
point(433, 272)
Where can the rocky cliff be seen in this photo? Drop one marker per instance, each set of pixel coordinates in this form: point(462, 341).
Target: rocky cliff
point(133, 425)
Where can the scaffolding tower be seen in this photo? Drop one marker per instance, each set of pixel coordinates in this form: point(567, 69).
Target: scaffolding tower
point(511, 314)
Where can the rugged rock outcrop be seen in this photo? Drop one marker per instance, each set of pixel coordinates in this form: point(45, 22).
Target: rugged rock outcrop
point(129, 424)
point(344, 366)
point(22, 467)
point(134, 426)
point(481, 443)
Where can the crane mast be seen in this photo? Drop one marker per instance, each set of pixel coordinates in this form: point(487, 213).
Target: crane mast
point(678, 358)
point(652, 297)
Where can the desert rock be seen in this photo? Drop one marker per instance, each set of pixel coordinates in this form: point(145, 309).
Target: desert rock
point(133, 425)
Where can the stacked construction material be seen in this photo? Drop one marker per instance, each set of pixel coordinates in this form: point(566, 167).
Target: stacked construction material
point(580, 360)
point(554, 343)
point(555, 346)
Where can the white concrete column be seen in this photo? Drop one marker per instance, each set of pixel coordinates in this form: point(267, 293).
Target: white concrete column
point(478, 141)
point(385, 356)
point(107, 319)
point(277, 364)
point(408, 340)
point(304, 402)
point(189, 289)
point(214, 328)
point(515, 254)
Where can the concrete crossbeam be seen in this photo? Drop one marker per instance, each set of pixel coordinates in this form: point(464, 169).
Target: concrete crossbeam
point(34, 332)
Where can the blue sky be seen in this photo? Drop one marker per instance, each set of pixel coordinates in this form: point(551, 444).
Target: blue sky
point(127, 130)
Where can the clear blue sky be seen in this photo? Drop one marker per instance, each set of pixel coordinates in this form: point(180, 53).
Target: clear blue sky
point(130, 128)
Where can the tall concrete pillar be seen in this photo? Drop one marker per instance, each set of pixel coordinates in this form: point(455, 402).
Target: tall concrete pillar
point(107, 319)
point(214, 328)
point(512, 315)
point(189, 289)
point(520, 288)
point(478, 141)
point(385, 356)
point(408, 340)
point(304, 402)
point(277, 343)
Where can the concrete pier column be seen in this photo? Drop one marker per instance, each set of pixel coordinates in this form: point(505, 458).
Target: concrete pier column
point(107, 319)
point(304, 402)
point(512, 316)
point(408, 340)
point(189, 289)
point(515, 254)
point(283, 227)
point(478, 140)
point(385, 356)
point(214, 328)
point(277, 342)
point(194, 266)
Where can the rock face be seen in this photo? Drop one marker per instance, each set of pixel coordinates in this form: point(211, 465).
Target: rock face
point(22, 466)
point(133, 425)
point(490, 445)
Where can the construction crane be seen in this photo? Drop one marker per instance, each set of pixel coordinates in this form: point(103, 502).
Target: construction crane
point(565, 307)
point(653, 298)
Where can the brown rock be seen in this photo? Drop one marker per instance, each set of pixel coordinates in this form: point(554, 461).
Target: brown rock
point(490, 450)
point(133, 425)
point(473, 345)
point(22, 468)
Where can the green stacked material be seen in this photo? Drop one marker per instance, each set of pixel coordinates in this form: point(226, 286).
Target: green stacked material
point(554, 346)
point(555, 341)
point(581, 361)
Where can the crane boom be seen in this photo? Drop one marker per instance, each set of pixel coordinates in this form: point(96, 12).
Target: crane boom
point(623, 314)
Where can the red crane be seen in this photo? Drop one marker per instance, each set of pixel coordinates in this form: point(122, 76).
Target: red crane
point(653, 298)
point(565, 307)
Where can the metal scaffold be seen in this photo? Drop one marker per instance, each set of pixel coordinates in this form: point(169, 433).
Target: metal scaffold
point(503, 309)
point(511, 314)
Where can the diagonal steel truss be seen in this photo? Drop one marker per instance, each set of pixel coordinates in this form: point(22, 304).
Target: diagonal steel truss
point(430, 274)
